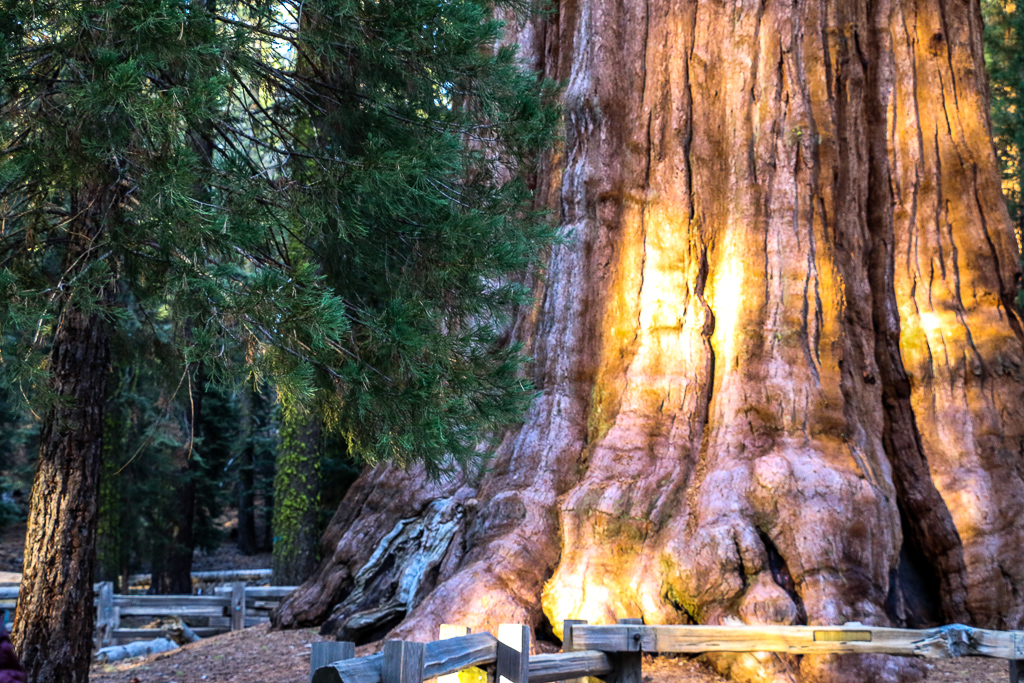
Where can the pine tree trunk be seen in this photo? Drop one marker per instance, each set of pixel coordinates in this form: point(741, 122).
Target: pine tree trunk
point(174, 576)
point(52, 631)
point(296, 496)
point(246, 475)
point(780, 356)
point(267, 475)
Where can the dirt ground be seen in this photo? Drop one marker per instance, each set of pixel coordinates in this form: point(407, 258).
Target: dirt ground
point(258, 655)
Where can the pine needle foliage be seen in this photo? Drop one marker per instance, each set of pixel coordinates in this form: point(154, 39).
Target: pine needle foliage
point(416, 208)
point(331, 193)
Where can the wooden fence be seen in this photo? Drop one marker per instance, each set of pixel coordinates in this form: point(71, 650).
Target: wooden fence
point(229, 608)
point(254, 576)
point(614, 653)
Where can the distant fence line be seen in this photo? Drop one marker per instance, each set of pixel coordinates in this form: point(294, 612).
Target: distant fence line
point(229, 608)
point(225, 576)
point(614, 653)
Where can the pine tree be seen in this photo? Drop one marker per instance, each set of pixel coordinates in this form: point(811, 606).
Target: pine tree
point(415, 208)
point(355, 227)
point(102, 227)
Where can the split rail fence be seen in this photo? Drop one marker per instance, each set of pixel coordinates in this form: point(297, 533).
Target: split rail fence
point(229, 608)
point(614, 653)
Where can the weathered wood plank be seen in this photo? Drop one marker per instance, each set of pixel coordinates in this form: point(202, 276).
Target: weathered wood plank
point(451, 631)
point(237, 608)
point(105, 611)
point(361, 670)
point(543, 668)
point(403, 662)
point(568, 645)
point(327, 651)
point(162, 605)
point(441, 657)
point(569, 666)
point(187, 601)
point(224, 576)
point(955, 640)
point(258, 592)
point(629, 665)
point(172, 610)
point(513, 657)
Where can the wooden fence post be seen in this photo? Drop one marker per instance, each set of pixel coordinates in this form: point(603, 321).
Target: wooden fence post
point(629, 665)
point(237, 605)
point(403, 662)
point(328, 651)
point(513, 658)
point(567, 644)
point(104, 614)
point(1015, 666)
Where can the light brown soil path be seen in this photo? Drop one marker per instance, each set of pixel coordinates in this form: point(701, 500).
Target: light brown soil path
point(257, 655)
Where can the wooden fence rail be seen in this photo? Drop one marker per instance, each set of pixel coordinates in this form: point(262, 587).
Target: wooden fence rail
point(613, 653)
point(223, 576)
point(230, 608)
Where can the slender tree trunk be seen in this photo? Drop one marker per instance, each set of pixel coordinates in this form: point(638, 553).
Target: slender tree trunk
point(267, 477)
point(296, 496)
point(246, 506)
point(246, 476)
point(174, 576)
point(52, 631)
point(780, 357)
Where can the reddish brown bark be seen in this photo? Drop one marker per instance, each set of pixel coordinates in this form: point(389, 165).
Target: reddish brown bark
point(780, 360)
point(53, 626)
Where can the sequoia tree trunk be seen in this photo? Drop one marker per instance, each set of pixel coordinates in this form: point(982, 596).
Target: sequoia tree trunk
point(52, 629)
point(780, 356)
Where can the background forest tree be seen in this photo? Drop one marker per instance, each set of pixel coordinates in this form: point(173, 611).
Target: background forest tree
point(179, 197)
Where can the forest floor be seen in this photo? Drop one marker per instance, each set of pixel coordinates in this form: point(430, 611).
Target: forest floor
point(258, 655)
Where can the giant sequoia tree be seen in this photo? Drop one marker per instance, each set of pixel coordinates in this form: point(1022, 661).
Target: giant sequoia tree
point(780, 357)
